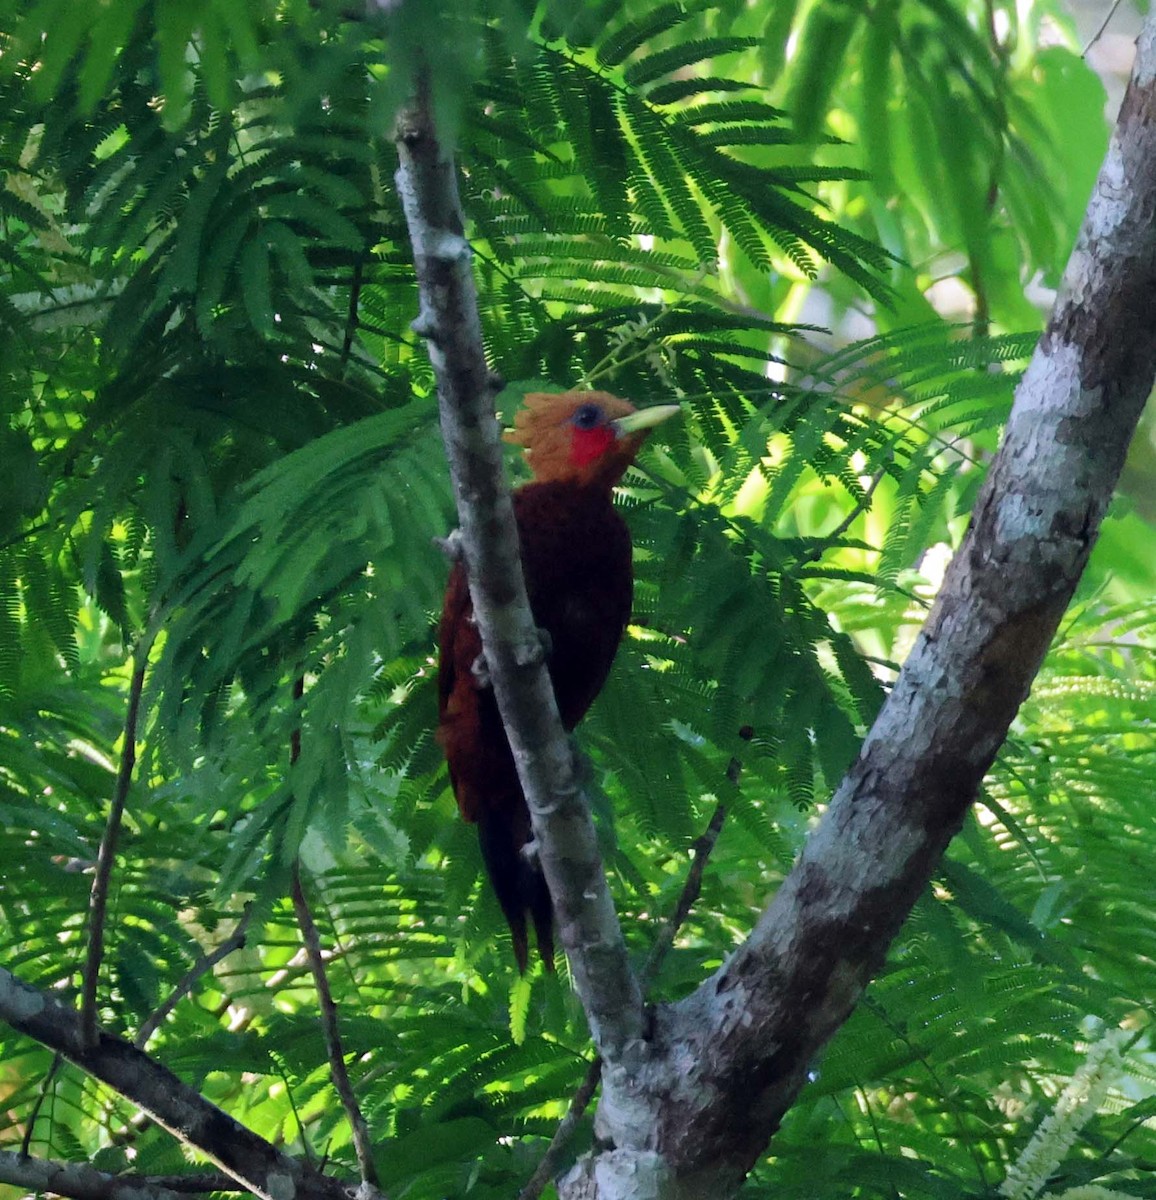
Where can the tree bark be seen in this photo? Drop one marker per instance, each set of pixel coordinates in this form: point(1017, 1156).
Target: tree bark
point(727, 1062)
point(690, 1102)
point(567, 843)
point(76, 1180)
point(249, 1159)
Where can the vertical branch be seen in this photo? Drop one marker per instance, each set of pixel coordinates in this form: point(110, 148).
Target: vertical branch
point(352, 320)
point(362, 1141)
point(359, 1127)
point(587, 923)
point(98, 898)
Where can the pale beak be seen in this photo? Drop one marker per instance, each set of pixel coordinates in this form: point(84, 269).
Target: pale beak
point(644, 418)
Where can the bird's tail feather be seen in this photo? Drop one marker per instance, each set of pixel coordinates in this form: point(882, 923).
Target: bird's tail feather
point(520, 887)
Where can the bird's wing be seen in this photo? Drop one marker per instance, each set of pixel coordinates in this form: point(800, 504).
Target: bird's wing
point(455, 626)
point(459, 715)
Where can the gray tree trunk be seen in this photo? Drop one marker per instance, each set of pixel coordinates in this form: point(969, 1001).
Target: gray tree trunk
point(693, 1108)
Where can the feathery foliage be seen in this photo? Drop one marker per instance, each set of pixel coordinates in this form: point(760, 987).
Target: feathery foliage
point(220, 442)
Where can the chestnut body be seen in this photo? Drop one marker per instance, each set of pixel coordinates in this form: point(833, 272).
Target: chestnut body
point(576, 556)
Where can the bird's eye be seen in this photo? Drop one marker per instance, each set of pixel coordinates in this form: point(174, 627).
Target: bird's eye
point(587, 416)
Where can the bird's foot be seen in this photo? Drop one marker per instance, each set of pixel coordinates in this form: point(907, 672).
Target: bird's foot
point(425, 324)
point(525, 655)
point(529, 852)
point(537, 651)
point(452, 545)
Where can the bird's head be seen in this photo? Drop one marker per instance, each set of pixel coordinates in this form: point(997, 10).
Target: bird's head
point(583, 437)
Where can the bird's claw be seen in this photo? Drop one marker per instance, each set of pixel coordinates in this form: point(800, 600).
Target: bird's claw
point(529, 851)
point(425, 324)
point(452, 545)
point(525, 655)
point(529, 653)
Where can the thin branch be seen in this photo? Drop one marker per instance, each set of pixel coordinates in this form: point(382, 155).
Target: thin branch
point(298, 1120)
point(33, 1116)
point(362, 1141)
point(862, 505)
point(256, 1164)
point(235, 941)
point(545, 1169)
point(330, 1026)
point(98, 899)
point(1103, 25)
point(703, 847)
point(946, 1094)
point(76, 1180)
point(587, 923)
point(351, 319)
point(295, 734)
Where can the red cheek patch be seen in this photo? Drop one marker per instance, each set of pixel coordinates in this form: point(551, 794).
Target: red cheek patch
point(587, 445)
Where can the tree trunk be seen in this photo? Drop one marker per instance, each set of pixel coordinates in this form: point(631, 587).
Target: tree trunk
point(696, 1108)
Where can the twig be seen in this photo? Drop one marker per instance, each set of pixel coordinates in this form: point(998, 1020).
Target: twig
point(1103, 25)
point(45, 1084)
point(362, 1142)
point(351, 320)
point(295, 734)
point(946, 1092)
point(703, 847)
point(637, 332)
point(565, 1131)
point(298, 1120)
point(98, 898)
point(861, 506)
point(201, 967)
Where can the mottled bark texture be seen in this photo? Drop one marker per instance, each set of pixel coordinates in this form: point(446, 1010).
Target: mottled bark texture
point(725, 1064)
point(77, 1180)
point(255, 1163)
point(586, 922)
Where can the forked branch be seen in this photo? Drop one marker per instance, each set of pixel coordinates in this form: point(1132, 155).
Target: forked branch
point(731, 1058)
point(258, 1165)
